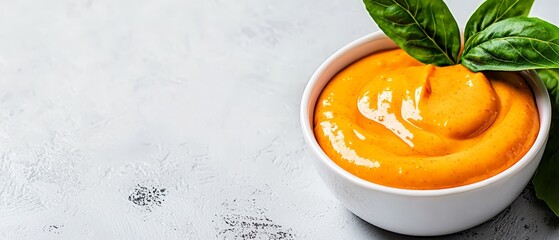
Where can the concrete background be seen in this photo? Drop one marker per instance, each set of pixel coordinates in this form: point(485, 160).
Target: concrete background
point(168, 119)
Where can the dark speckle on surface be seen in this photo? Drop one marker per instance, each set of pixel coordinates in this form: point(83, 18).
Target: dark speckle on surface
point(251, 227)
point(147, 196)
point(529, 194)
point(238, 223)
point(56, 229)
point(551, 220)
point(469, 235)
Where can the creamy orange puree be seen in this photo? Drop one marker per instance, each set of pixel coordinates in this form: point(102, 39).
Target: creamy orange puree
point(394, 121)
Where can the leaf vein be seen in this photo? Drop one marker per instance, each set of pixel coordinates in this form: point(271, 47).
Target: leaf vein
point(495, 57)
point(520, 53)
point(553, 49)
point(423, 30)
point(506, 11)
point(541, 54)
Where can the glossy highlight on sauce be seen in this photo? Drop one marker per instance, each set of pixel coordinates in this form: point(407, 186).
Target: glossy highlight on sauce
point(394, 121)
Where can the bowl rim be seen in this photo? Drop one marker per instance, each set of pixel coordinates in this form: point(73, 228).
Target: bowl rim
point(540, 96)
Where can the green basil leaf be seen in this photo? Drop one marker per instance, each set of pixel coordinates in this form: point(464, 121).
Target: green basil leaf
point(492, 11)
point(551, 79)
point(426, 30)
point(514, 44)
point(546, 182)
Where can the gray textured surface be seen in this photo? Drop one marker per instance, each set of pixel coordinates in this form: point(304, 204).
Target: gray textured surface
point(168, 119)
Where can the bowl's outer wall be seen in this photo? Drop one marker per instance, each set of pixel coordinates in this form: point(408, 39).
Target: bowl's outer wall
point(427, 216)
point(411, 215)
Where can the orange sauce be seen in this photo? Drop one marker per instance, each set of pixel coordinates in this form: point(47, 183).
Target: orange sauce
point(394, 121)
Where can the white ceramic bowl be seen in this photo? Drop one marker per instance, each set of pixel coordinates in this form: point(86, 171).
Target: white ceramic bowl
point(418, 212)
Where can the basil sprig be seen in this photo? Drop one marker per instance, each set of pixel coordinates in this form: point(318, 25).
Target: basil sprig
point(499, 36)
